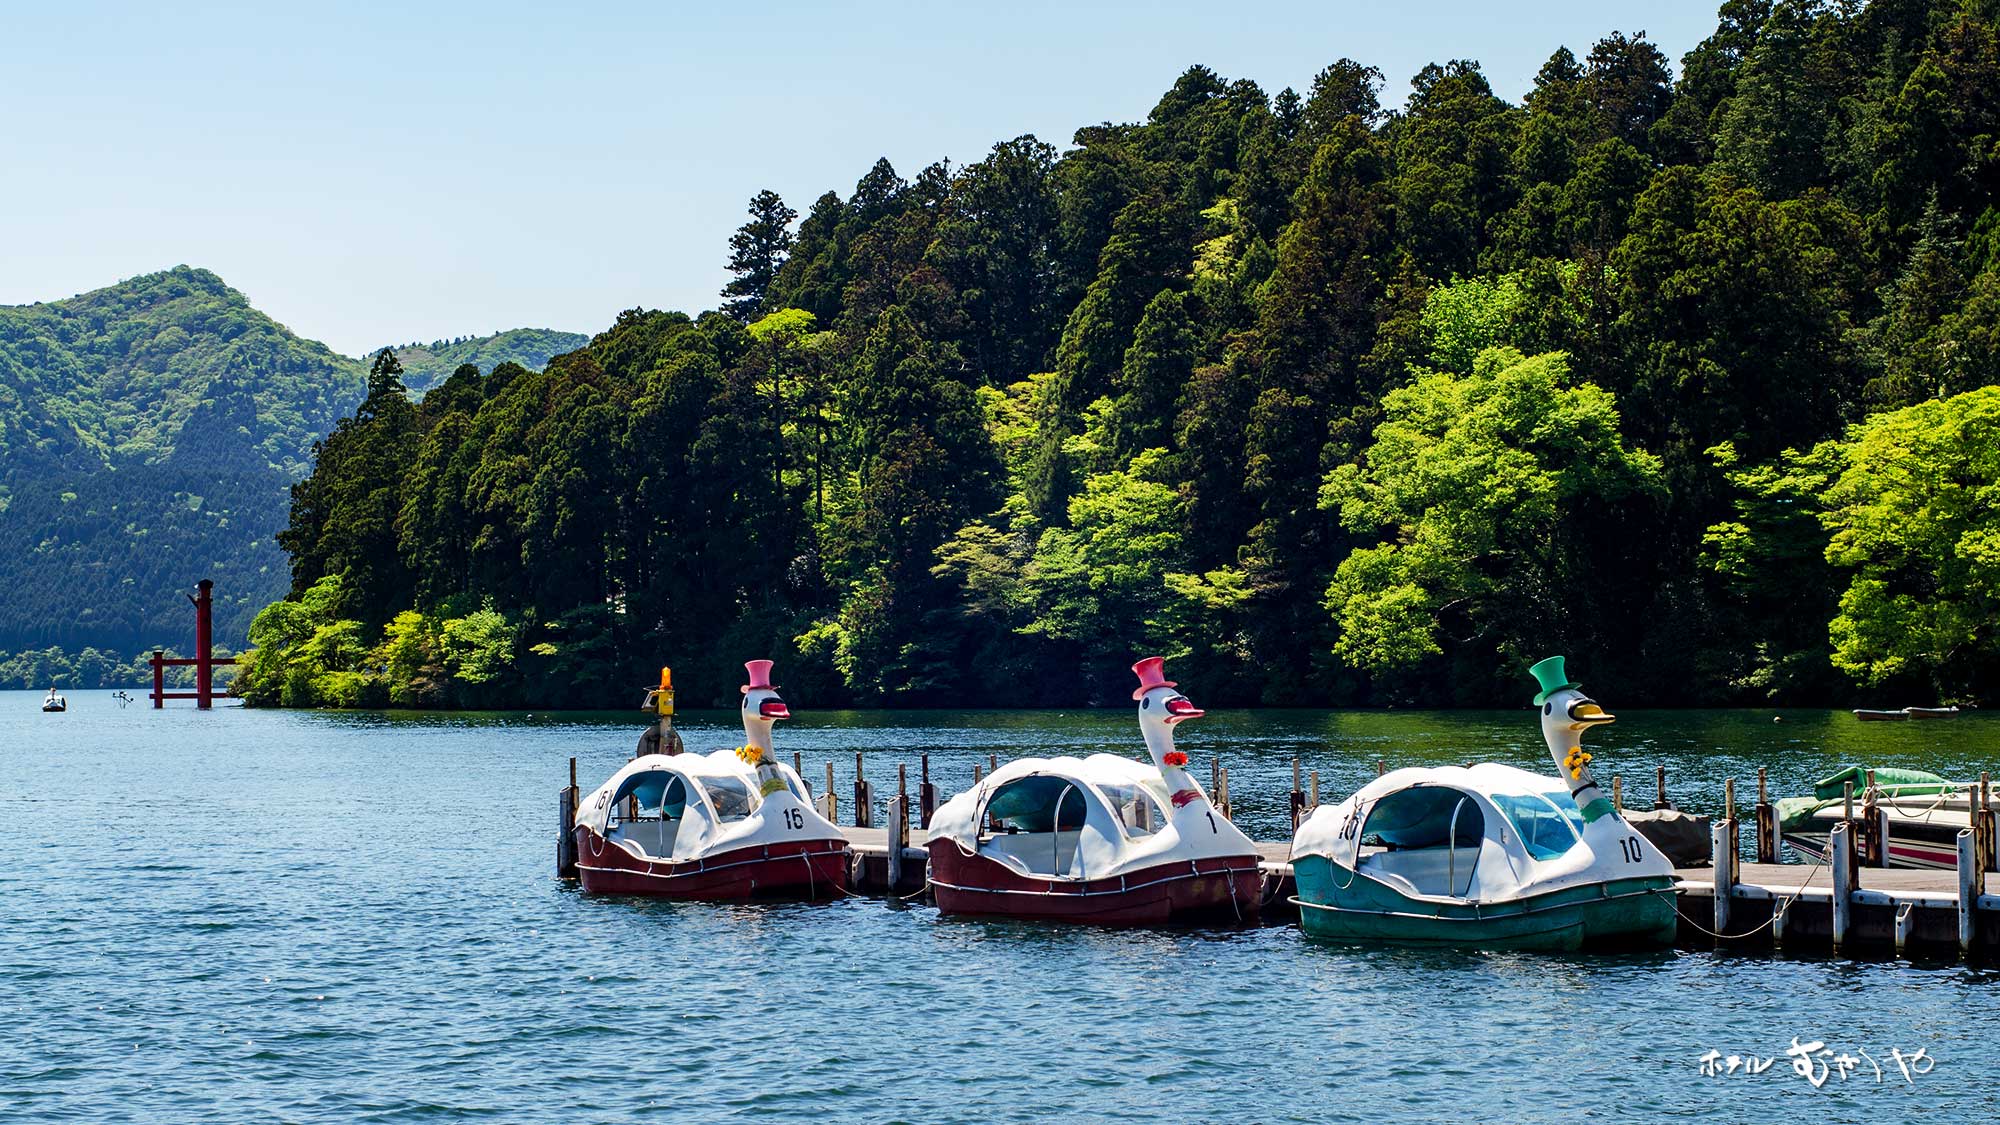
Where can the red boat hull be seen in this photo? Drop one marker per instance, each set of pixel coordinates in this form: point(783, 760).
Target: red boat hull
point(1225, 889)
point(809, 869)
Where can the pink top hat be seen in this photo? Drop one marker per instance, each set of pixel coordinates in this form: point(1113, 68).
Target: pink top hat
point(760, 676)
point(1152, 673)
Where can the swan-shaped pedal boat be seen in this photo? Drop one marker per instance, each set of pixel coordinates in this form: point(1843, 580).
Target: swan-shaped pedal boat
point(1102, 839)
point(733, 824)
point(1488, 856)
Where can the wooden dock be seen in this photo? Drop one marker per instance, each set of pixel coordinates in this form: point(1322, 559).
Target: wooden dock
point(1892, 912)
point(1848, 906)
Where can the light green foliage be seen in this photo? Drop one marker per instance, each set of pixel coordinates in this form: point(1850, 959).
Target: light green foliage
point(1914, 517)
point(1482, 481)
point(1465, 318)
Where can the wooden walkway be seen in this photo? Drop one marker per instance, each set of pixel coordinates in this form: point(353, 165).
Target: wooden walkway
point(1894, 911)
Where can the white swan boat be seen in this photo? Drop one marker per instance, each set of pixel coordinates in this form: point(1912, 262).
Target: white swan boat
point(1488, 856)
point(1102, 839)
point(732, 824)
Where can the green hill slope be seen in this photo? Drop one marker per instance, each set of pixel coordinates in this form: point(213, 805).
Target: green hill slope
point(426, 365)
point(148, 433)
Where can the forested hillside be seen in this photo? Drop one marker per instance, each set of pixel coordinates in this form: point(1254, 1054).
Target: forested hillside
point(426, 365)
point(1682, 372)
point(149, 432)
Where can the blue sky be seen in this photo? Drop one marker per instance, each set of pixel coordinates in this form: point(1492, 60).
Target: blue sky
point(375, 173)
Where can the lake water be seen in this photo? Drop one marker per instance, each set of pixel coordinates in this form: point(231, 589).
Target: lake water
point(270, 916)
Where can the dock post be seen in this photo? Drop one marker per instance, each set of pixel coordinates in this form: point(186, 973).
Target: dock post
point(1617, 793)
point(1779, 908)
point(1660, 788)
point(926, 794)
point(1725, 874)
point(1874, 827)
point(566, 827)
point(1983, 825)
point(1298, 797)
point(1222, 805)
point(831, 801)
point(159, 679)
point(1381, 767)
point(799, 767)
point(1735, 852)
point(1767, 821)
point(1840, 842)
point(899, 829)
point(1313, 794)
point(864, 797)
point(1971, 884)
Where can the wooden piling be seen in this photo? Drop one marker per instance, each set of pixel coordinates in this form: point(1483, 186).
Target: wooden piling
point(1840, 842)
point(1874, 827)
point(1222, 805)
point(1313, 794)
point(1725, 873)
point(864, 797)
point(1735, 852)
point(1983, 826)
point(1767, 821)
point(1660, 788)
point(899, 828)
point(1971, 884)
point(1381, 767)
point(1298, 798)
point(566, 803)
point(831, 801)
point(926, 794)
point(1617, 793)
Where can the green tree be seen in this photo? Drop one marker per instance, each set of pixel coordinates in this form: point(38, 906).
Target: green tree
point(757, 251)
point(1485, 483)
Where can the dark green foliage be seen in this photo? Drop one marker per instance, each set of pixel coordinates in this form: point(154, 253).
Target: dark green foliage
point(1338, 404)
point(756, 252)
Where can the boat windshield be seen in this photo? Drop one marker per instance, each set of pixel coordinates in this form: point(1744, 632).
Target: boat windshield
point(1137, 811)
point(1549, 823)
point(732, 798)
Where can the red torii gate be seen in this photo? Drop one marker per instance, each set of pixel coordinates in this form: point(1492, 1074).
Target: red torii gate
point(204, 660)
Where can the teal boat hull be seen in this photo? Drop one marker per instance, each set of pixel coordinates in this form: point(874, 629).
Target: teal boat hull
point(1338, 904)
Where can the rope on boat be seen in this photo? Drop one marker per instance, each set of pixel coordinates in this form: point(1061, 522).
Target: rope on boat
point(1778, 907)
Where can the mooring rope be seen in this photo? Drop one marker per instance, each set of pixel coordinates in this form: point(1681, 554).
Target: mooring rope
point(1777, 907)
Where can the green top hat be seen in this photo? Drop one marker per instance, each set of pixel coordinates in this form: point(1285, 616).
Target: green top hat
point(1549, 673)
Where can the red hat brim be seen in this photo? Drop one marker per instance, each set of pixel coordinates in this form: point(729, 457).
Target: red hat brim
point(1140, 692)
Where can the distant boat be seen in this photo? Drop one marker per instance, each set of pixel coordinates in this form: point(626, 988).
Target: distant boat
point(54, 702)
point(1868, 716)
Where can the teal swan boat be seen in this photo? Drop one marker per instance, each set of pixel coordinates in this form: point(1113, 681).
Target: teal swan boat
point(1488, 856)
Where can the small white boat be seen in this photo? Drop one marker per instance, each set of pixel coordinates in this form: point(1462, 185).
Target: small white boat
point(733, 824)
point(53, 702)
point(1487, 856)
point(1102, 839)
